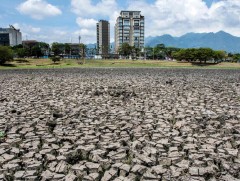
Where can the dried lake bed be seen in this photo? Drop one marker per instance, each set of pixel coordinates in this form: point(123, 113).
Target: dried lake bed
point(120, 124)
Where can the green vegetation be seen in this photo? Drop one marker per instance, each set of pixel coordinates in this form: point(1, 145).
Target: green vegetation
point(6, 54)
point(187, 58)
point(69, 63)
point(2, 134)
point(234, 57)
point(37, 50)
point(55, 59)
point(58, 48)
point(125, 49)
point(200, 55)
point(160, 52)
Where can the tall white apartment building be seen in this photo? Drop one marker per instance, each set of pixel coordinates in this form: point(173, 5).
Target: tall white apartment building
point(129, 28)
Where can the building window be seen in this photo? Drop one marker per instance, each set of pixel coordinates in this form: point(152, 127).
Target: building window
point(126, 22)
point(125, 14)
point(136, 14)
point(136, 22)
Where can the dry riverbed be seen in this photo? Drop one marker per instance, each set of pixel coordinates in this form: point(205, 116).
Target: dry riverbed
point(120, 124)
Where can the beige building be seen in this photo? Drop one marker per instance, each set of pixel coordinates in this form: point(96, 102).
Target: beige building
point(103, 37)
point(129, 29)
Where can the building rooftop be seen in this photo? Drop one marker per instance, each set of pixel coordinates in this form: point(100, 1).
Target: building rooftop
point(103, 20)
point(130, 11)
point(29, 41)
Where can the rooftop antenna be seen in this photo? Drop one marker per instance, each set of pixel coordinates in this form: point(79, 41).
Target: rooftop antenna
point(11, 26)
point(79, 38)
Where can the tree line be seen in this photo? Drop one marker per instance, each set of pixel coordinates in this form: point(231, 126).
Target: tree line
point(199, 55)
point(161, 52)
point(38, 49)
point(59, 49)
point(203, 55)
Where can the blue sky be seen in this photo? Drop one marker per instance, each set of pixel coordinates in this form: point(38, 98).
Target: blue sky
point(65, 20)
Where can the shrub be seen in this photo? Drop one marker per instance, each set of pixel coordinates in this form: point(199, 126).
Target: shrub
point(6, 54)
point(55, 59)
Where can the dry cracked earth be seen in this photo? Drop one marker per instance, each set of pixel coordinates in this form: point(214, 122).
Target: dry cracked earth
point(120, 125)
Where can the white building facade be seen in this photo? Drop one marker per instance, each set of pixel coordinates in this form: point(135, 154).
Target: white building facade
point(10, 36)
point(129, 28)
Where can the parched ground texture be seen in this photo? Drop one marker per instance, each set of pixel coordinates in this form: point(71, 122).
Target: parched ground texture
point(120, 124)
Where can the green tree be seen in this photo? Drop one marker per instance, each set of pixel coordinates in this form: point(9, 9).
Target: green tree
point(21, 52)
point(219, 55)
point(83, 49)
point(180, 55)
point(170, 50)
point(45, 47)
point(149, 52)
point(57, 48)
point(55, 59)
point(36, 51)
point(17, 46)
point(192, 54)
point(161, 46)
point(236, 57)
point(159, 51)
point(6, 54)
point(125, 49)
point(204, 54)
point(67, 48)
point(136, 51)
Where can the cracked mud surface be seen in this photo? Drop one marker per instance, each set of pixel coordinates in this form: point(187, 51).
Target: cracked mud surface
point(120, 124)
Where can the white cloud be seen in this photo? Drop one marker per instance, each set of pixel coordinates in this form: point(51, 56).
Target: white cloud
point(16, 25)
point(87, 35)
point(60, 32)
point(173, 17)
point(87, 29)
point(30, 32)
point(88, 12)
point(86, 23)
point(27, 28)
point(179, 17)
point(38, 9)
point(86, 8)
point(35, 30)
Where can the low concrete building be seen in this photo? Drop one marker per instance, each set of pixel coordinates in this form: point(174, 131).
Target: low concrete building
point(29, 43)
point(10, 36)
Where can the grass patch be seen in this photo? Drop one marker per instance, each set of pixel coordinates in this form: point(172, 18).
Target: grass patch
point(71, 63)
point(2, 134)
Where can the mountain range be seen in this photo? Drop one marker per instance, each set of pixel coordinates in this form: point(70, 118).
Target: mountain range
point(217, 41)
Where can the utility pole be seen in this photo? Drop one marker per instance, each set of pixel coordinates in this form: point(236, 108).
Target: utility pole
point(79, 41)
point(71, 49)
point(153, 52)
point(79, 38)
